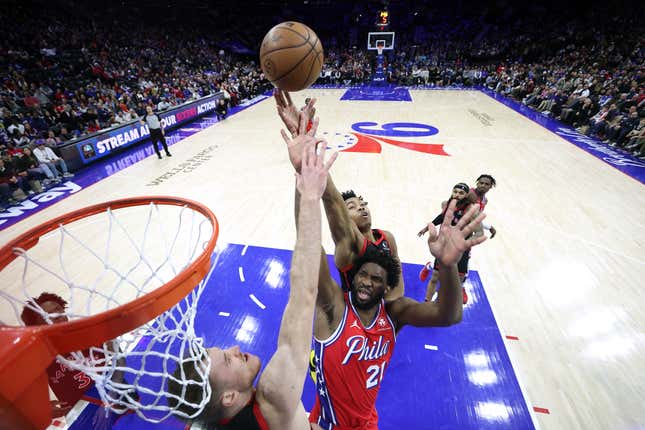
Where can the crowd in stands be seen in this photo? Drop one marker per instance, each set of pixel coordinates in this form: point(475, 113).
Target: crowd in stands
point(64, 76)
point(578, 66)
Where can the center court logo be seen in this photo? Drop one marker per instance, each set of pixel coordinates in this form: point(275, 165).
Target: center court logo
point(368, 137)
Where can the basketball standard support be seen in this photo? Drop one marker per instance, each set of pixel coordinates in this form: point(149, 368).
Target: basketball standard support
point(380, 41)
point(378, 77)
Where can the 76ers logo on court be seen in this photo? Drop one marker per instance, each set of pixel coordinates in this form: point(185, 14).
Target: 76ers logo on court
point(368, 137)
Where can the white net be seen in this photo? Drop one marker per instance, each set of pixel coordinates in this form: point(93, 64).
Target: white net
point(107, 260)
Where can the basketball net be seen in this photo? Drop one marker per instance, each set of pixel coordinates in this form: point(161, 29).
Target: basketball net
point(379, 50)
point(110, 261)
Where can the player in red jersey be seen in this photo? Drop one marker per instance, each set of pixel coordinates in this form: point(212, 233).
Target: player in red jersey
point(348, 214)
point(355, 331)
point(478, 195)
point(275, 404)
point(69, 385)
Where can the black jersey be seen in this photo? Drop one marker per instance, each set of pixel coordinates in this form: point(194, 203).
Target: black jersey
point(249, 418)
point(380, 244)
point(459, 212)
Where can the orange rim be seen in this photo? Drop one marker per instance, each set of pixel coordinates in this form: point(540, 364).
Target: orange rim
point(28, 351)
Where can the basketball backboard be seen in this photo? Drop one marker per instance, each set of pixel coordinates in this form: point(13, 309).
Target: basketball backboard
point(382, 39)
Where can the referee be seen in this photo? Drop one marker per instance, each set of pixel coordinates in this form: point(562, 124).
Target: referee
point(156, 130)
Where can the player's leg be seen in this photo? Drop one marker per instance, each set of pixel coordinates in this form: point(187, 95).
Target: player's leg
point(154, 137)
point(432, 284)
point(462, 267)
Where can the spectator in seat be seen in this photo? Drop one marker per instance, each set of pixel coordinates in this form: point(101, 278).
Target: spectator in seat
point(48, 158)
point(10, 177)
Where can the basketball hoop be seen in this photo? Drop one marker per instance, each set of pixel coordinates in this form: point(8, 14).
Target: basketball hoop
point(129, 270)
point(380, 46)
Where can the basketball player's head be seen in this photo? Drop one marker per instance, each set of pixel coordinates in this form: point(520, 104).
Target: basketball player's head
point(484, 184)
point(460, 191)
point(377, 273)
point(47, 308)
point(358, 210)
point(231, 379)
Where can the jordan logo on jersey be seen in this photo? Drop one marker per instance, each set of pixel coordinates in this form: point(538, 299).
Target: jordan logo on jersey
point(359, 345)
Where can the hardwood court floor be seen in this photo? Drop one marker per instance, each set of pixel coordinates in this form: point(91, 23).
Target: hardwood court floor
point(562, 275)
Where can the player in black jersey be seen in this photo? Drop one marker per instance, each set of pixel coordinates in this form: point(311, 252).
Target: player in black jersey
point(366, 240)
point(348, 214)
point(460, 192)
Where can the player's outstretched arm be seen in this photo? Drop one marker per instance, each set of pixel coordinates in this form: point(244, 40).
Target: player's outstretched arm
point(446, 245)
point(346, 235)
point(280, 386)
point(347, 238)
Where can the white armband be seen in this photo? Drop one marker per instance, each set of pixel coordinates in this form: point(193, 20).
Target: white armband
point(486, 226)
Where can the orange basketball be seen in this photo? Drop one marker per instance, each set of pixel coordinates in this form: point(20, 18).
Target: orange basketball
point(291, 56)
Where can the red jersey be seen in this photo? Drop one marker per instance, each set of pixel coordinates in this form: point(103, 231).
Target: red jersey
point(349, 369)
point(68, 384)
point(481, 201)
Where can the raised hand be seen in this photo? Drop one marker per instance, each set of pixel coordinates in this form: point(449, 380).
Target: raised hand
point(450, 241)
point(312, 178)
point(289, 113)
point(298, 142)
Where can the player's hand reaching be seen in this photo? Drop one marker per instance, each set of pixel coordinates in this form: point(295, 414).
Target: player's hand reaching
point(296, 144)
point(450, 241)
point(312, 178)
point(289, 113)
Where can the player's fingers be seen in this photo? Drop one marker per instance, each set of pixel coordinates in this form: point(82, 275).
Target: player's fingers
point(432, 233)
point(285, 136)
point(277, 94)
point(306, 156)
point(450, 213)
point(288, 97)
point(476, 241)
point(469, 215)
point(473, 225)
point(332, 159)
point(302, 123)
point(314, 127)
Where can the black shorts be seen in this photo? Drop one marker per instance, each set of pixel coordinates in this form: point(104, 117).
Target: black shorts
point(462, 265)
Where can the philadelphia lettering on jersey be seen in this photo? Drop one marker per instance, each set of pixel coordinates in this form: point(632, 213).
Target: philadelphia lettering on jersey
point(359, 345)
point(349, 369)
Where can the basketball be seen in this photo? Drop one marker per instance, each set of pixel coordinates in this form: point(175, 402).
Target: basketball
point(291, 56)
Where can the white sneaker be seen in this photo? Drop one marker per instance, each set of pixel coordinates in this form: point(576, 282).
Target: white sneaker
point(31, 192)
point(68, 175)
